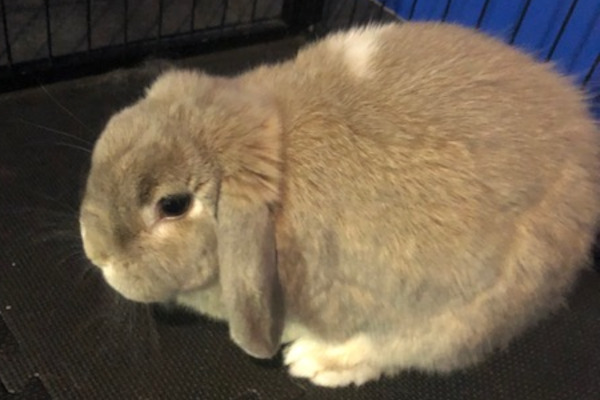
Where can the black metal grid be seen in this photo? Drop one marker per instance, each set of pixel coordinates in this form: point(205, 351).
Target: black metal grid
point(45, 40)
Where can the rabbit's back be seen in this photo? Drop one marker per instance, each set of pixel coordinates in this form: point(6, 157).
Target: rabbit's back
point(397, 98)
point(415, 156)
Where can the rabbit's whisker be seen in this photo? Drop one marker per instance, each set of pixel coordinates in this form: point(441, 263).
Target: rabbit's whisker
point(57, 131)
point(65, 109)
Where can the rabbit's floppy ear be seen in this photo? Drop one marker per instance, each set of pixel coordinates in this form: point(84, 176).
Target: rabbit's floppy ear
point(248, 272)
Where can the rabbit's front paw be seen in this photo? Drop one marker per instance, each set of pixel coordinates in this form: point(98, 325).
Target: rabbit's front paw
point(332, 365)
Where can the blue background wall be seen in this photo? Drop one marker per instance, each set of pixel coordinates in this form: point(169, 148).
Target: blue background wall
point(567, 32)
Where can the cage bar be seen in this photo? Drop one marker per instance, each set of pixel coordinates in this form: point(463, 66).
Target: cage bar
point(301, 14)
point(590, 73)
point(5, 28)
point(519, 23)
point(561, 31)
point(48, 29)
point(482, 14)
point(352, 13)
point(160, 18)
point(413, 7)
point(382, 8)
point(125, 20)
point(253, 12)
point(193, 17)
point(224, 15)
point(584, 42)
point(88, 23)
point(446, 10)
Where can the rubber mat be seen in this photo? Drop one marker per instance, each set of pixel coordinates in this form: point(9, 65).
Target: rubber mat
point(65, 335)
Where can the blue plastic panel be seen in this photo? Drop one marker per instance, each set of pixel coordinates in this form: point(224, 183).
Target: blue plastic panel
point(567, 32)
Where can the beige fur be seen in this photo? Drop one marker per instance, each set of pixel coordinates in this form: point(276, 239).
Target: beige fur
point(431, 192)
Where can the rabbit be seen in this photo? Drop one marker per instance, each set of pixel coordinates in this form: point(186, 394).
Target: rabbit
point(398, 196)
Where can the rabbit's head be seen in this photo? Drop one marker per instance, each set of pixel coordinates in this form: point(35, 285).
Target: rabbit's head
point(178, 199)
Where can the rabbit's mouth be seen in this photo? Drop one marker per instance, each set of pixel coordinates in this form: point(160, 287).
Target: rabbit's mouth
point(138, 289)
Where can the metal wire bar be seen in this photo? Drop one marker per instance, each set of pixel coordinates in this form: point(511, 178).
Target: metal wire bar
point(588, 39)
point(5, 28)
point(160, 18)
point(563, 26)
point(413, 6)
point(224, 15)
point(253, 14)
point(590, 72)
point(519, 23)
point(125, 21)
point(352, 12)
point(48, 29)
point(482, 14)
point(193, 17)
point(382, 8)
point(446, 10)
point(88, 22)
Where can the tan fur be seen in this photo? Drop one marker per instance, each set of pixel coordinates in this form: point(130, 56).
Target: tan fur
point(426, 211)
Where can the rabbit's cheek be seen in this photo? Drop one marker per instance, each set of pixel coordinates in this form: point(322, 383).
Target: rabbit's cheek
point(137, 288)
point(83, 233)
point(115, 280)
point(202, 264)
point(110, 276)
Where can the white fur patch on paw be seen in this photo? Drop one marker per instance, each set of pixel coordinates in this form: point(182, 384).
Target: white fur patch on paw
point(356, 375)
point(332, 365)
point(302, 347)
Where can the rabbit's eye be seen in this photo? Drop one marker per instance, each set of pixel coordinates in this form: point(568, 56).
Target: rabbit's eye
point(174, 205)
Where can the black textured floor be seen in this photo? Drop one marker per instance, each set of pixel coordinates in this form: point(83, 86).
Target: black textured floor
point(65, 335)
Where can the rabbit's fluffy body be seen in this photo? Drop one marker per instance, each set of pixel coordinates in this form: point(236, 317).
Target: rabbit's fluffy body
point(421, 192)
